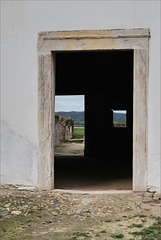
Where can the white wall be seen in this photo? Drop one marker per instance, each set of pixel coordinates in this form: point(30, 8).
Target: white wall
point(21, 22)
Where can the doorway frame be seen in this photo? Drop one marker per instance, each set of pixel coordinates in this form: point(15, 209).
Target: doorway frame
point(51, 42)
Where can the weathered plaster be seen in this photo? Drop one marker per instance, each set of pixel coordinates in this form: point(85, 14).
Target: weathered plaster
point(48, 42)
point(18, 158)
point(22, 20)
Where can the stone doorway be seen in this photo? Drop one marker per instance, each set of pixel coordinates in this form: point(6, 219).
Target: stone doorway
point(49, 44)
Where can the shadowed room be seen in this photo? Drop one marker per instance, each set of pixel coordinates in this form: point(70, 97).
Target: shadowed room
point(105, 78)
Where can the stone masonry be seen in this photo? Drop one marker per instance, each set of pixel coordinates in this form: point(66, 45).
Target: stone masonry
point(64, 129)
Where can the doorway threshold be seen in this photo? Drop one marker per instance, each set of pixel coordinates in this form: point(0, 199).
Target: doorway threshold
point(85, 192)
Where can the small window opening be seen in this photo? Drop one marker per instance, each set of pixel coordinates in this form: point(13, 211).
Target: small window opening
point(119, 118)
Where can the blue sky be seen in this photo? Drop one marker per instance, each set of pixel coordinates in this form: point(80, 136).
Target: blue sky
point(69, 103)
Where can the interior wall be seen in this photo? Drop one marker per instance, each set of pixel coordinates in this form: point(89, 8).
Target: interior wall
point(20, 23)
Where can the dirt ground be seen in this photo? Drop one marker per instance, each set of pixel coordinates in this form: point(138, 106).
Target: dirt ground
point(58, 215)
point(70, 148)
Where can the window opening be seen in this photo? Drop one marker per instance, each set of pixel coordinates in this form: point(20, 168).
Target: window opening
point(119, 118)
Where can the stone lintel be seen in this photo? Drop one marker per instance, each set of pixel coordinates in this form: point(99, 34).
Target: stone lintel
point(95, 34)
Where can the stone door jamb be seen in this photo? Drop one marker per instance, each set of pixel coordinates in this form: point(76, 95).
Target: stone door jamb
point(50, 42)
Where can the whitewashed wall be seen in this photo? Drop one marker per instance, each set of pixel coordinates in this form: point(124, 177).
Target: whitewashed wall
point(21, 22)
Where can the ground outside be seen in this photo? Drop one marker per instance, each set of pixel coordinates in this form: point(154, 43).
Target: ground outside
point(76, 215)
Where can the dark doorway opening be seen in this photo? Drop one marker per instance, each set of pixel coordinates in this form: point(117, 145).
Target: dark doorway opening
point(106, 80)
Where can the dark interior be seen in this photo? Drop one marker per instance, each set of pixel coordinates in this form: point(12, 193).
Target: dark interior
point(106, 80)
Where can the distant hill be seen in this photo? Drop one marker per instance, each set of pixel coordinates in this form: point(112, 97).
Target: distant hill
point(78, 117)
point(119, 117)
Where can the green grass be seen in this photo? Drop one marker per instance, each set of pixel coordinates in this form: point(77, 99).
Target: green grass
point(140, 215)
point(79, 234)
point(103, 231)
point(151, 232)
point(16, 227)
point(135, 225)
point(117, 236)
point(78, 132)
point(48, 221)
point(108, 220)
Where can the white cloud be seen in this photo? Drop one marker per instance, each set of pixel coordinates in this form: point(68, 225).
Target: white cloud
point(69, 103)
point(120, 111)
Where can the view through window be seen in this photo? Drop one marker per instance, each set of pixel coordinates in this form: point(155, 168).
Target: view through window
point(119, 118)
point(69, 125)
